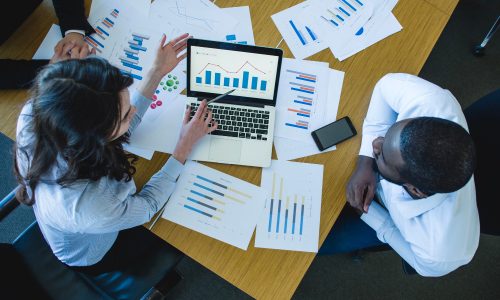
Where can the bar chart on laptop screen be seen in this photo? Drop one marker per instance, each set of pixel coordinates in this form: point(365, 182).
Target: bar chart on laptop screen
point(215, 204)
point(217, 71)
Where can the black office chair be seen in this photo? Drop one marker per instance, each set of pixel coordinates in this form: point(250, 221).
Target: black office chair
point(479, 49)
point(483, 118)
point(31, 271)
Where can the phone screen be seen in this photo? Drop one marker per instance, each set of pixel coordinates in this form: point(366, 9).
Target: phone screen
point(334, 133)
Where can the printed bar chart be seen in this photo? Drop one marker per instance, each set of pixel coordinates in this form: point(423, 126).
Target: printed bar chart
point(291, 219)
point(303, 38)
point(231, 38)
point(340, 13)
point(95, 41)
point(130, 59)
point(279, 209)
point(215, 204)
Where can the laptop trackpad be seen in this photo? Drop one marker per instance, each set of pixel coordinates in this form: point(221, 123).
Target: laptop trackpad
point(225, 150)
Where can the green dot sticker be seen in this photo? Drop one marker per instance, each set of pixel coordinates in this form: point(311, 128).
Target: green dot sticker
point(170, 83)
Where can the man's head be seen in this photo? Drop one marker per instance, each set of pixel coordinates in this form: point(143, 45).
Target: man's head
point(426, 155)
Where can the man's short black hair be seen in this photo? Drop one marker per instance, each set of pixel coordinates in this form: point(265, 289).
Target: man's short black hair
point(439, 155)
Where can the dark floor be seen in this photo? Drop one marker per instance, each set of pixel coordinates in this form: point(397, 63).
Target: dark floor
point(378, 275)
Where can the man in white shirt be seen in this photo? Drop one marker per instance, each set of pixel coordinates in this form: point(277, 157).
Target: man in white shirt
point(418, 158)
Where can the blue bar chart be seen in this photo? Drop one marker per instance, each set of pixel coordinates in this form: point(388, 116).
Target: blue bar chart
point(130, 58)
point(291, 219)
point(218, 76)
point(340, 11)
point(302, 86)
point(215, 204)
point(232, 38)
point(304, 33)
point(102, 31)
point(280, 217)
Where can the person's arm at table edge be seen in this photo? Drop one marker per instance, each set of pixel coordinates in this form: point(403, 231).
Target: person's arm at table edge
point(71, 15)
point(380, 220)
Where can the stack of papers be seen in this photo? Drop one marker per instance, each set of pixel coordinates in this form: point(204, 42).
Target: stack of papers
point(308, 98)
point(344, 26)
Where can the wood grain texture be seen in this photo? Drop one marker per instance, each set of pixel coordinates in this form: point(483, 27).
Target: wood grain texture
point(265, 273)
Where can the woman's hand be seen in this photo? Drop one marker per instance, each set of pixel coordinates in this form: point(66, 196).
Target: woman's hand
point(193, 130)
point(167, 58)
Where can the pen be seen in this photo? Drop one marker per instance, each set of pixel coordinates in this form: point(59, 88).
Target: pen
point(221, 96)
point(160, 213)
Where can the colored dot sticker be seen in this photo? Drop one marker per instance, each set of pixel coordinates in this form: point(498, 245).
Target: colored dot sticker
point(169, 83)
point(159, 103)
point(154, 97)
point(157, 91)
point(153, 106)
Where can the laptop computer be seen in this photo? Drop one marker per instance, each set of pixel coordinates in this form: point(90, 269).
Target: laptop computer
point(246, 116)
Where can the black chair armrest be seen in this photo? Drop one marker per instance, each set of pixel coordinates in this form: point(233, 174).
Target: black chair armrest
point(8, 203)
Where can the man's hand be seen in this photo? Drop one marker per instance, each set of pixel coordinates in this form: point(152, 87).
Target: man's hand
point(361, 186)
point(79, 48)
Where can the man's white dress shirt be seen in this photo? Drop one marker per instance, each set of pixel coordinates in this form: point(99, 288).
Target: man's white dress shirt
point(437, 234)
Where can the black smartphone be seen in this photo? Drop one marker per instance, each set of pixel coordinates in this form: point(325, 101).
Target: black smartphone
point(333, 133)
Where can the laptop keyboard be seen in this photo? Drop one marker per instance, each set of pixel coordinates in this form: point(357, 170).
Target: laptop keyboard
point(247, 123)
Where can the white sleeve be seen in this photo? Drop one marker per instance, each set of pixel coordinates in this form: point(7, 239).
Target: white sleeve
point(379, 219)
point(383, 110)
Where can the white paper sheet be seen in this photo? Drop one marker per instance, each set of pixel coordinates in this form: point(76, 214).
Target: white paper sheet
point(129, 44)
point(46, 48)
point(302, 98)
point(375, 30)
point(243, 32)
point(144, 153)
point(160, 127)
point(132, 8)
point(302, 37)
point(199, 18)
point(216, 204)
point(288, 149)
point(291, 216)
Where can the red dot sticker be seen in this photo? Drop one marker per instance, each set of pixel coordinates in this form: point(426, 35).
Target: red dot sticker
point(153, 106)
point(159, 103)
point(154, 97)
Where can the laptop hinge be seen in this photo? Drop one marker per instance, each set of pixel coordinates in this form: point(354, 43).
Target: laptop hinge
point(242, 103)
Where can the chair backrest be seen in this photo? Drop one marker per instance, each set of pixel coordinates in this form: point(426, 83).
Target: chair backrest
point(58, 280)
point(17, 280)
point(483, 118)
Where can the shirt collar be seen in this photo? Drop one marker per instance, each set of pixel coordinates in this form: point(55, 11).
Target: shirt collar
point(406, 205)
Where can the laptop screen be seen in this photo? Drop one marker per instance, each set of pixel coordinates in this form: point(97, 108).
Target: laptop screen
point(213, 70)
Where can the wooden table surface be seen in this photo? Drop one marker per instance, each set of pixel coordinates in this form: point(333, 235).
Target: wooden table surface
point(265, 273)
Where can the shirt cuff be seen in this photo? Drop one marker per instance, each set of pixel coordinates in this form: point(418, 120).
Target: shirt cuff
point(366, 145)
point(377, 218)
point(82, 32)
point(140, 102)
point(172, 168)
